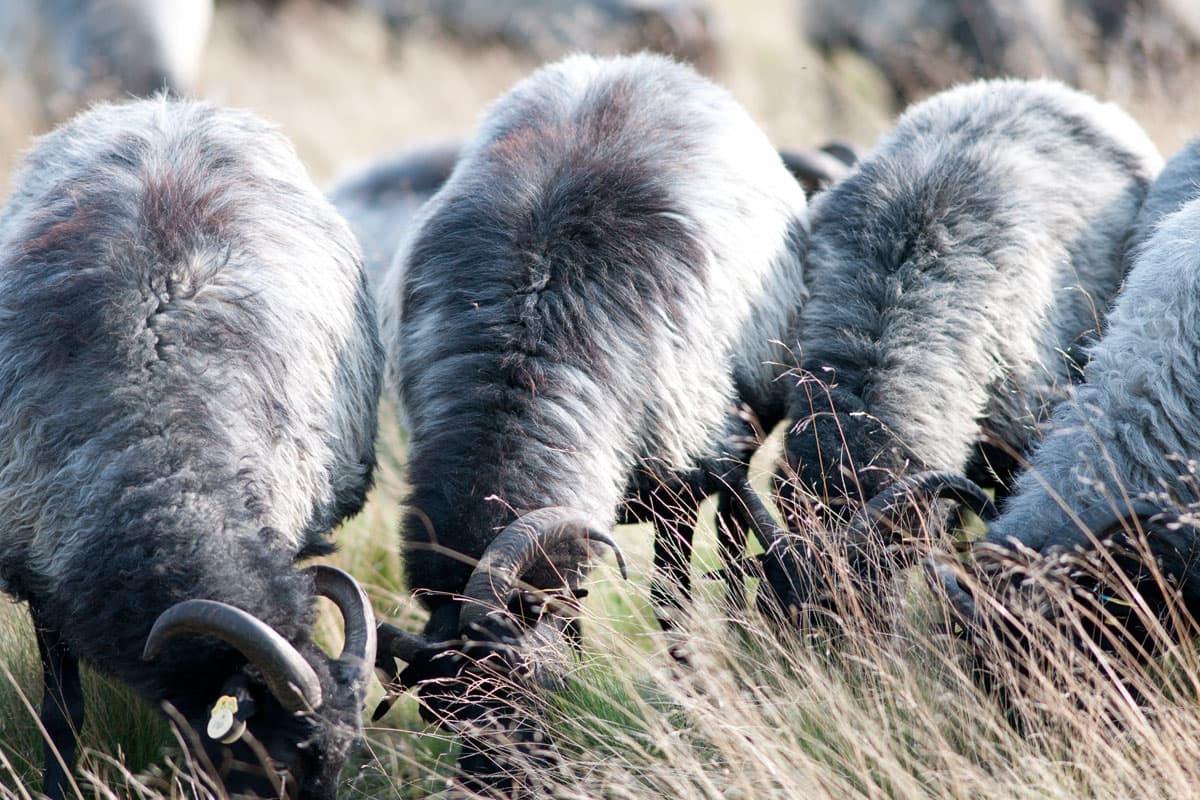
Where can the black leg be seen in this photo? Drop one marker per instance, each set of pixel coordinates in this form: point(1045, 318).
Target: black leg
point(674, 528)
point(731, 540)
point(62, 709)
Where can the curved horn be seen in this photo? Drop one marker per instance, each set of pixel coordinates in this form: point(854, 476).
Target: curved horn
point(814, 169)
point(357, 616)
point(290, 678)
point(941, 578)
point(889, 503)
point(399, 643)
point(520, 544)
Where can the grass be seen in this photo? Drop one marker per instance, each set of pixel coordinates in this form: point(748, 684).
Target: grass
point(849, 711)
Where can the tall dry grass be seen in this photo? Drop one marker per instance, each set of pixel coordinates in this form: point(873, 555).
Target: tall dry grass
point(851, 709)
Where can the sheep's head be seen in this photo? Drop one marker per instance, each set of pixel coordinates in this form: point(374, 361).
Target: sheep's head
point(838, 456)
point(1117, 579)
point(801, 569)
point(285, 725)
point(495, 638)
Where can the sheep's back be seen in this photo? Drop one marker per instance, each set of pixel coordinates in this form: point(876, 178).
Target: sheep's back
point(980, 242)
point(184, 334)
point(605, 269)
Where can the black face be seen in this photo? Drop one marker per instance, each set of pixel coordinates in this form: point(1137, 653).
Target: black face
point(1095, 602)
point(841, 458)
point(283, 753)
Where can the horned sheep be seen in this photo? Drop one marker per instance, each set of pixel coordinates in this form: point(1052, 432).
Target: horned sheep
point(189, 370)
point(954, 277)
point(1117, 464)
point(606, 274)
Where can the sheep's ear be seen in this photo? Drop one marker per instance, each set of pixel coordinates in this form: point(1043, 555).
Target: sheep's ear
point(1174, 541)
point(814, 169)
point(842, 151)
point(1104, 520)
point(227, 719)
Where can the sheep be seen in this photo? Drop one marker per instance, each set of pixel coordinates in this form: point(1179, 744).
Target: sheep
point(952, 276)
point(381, 199)
point(74, 52)
point(189, 375)
point(1116, 463)
point(609, 269)
point(1155, 38)
point(921, 46)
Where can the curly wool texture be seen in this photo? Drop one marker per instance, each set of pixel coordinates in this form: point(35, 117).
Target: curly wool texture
point(189, 372)
point(612, 263)
point(1131, 429)
point(953, 272)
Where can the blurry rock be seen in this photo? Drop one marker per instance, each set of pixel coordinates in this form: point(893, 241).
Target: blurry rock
point(74, 52)
point(549, 29)
point(921, 46)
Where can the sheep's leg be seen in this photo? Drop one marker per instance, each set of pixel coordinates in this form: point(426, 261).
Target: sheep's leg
point(62, 709)
point(671, 587)
point(731, 540)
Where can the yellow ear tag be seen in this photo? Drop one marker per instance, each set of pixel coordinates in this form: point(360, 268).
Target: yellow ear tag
point(222, 724)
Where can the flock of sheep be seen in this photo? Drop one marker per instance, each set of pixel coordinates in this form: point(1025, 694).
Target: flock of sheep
point(589, 313)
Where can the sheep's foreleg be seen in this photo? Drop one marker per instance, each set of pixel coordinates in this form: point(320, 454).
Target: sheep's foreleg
point(62, 709)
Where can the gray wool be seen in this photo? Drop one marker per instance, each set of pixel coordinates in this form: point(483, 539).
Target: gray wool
point(1175, 186)
point(189, 373)
point(613, 262)
point(1131, 429)
point(952, 273)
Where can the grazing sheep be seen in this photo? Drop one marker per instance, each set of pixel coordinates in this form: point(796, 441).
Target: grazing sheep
point(189, 372)
point(381, 200)
point(952, 275)
point(609, 269)
point(75, 52)
point(1155, 38)
point(921, 46)
point(1119, 455)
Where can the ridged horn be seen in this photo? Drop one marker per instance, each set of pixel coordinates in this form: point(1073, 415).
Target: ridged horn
point(358, 618)
point(517, 547)
point(398, 643)
point(892, 501)
point(289, 677)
